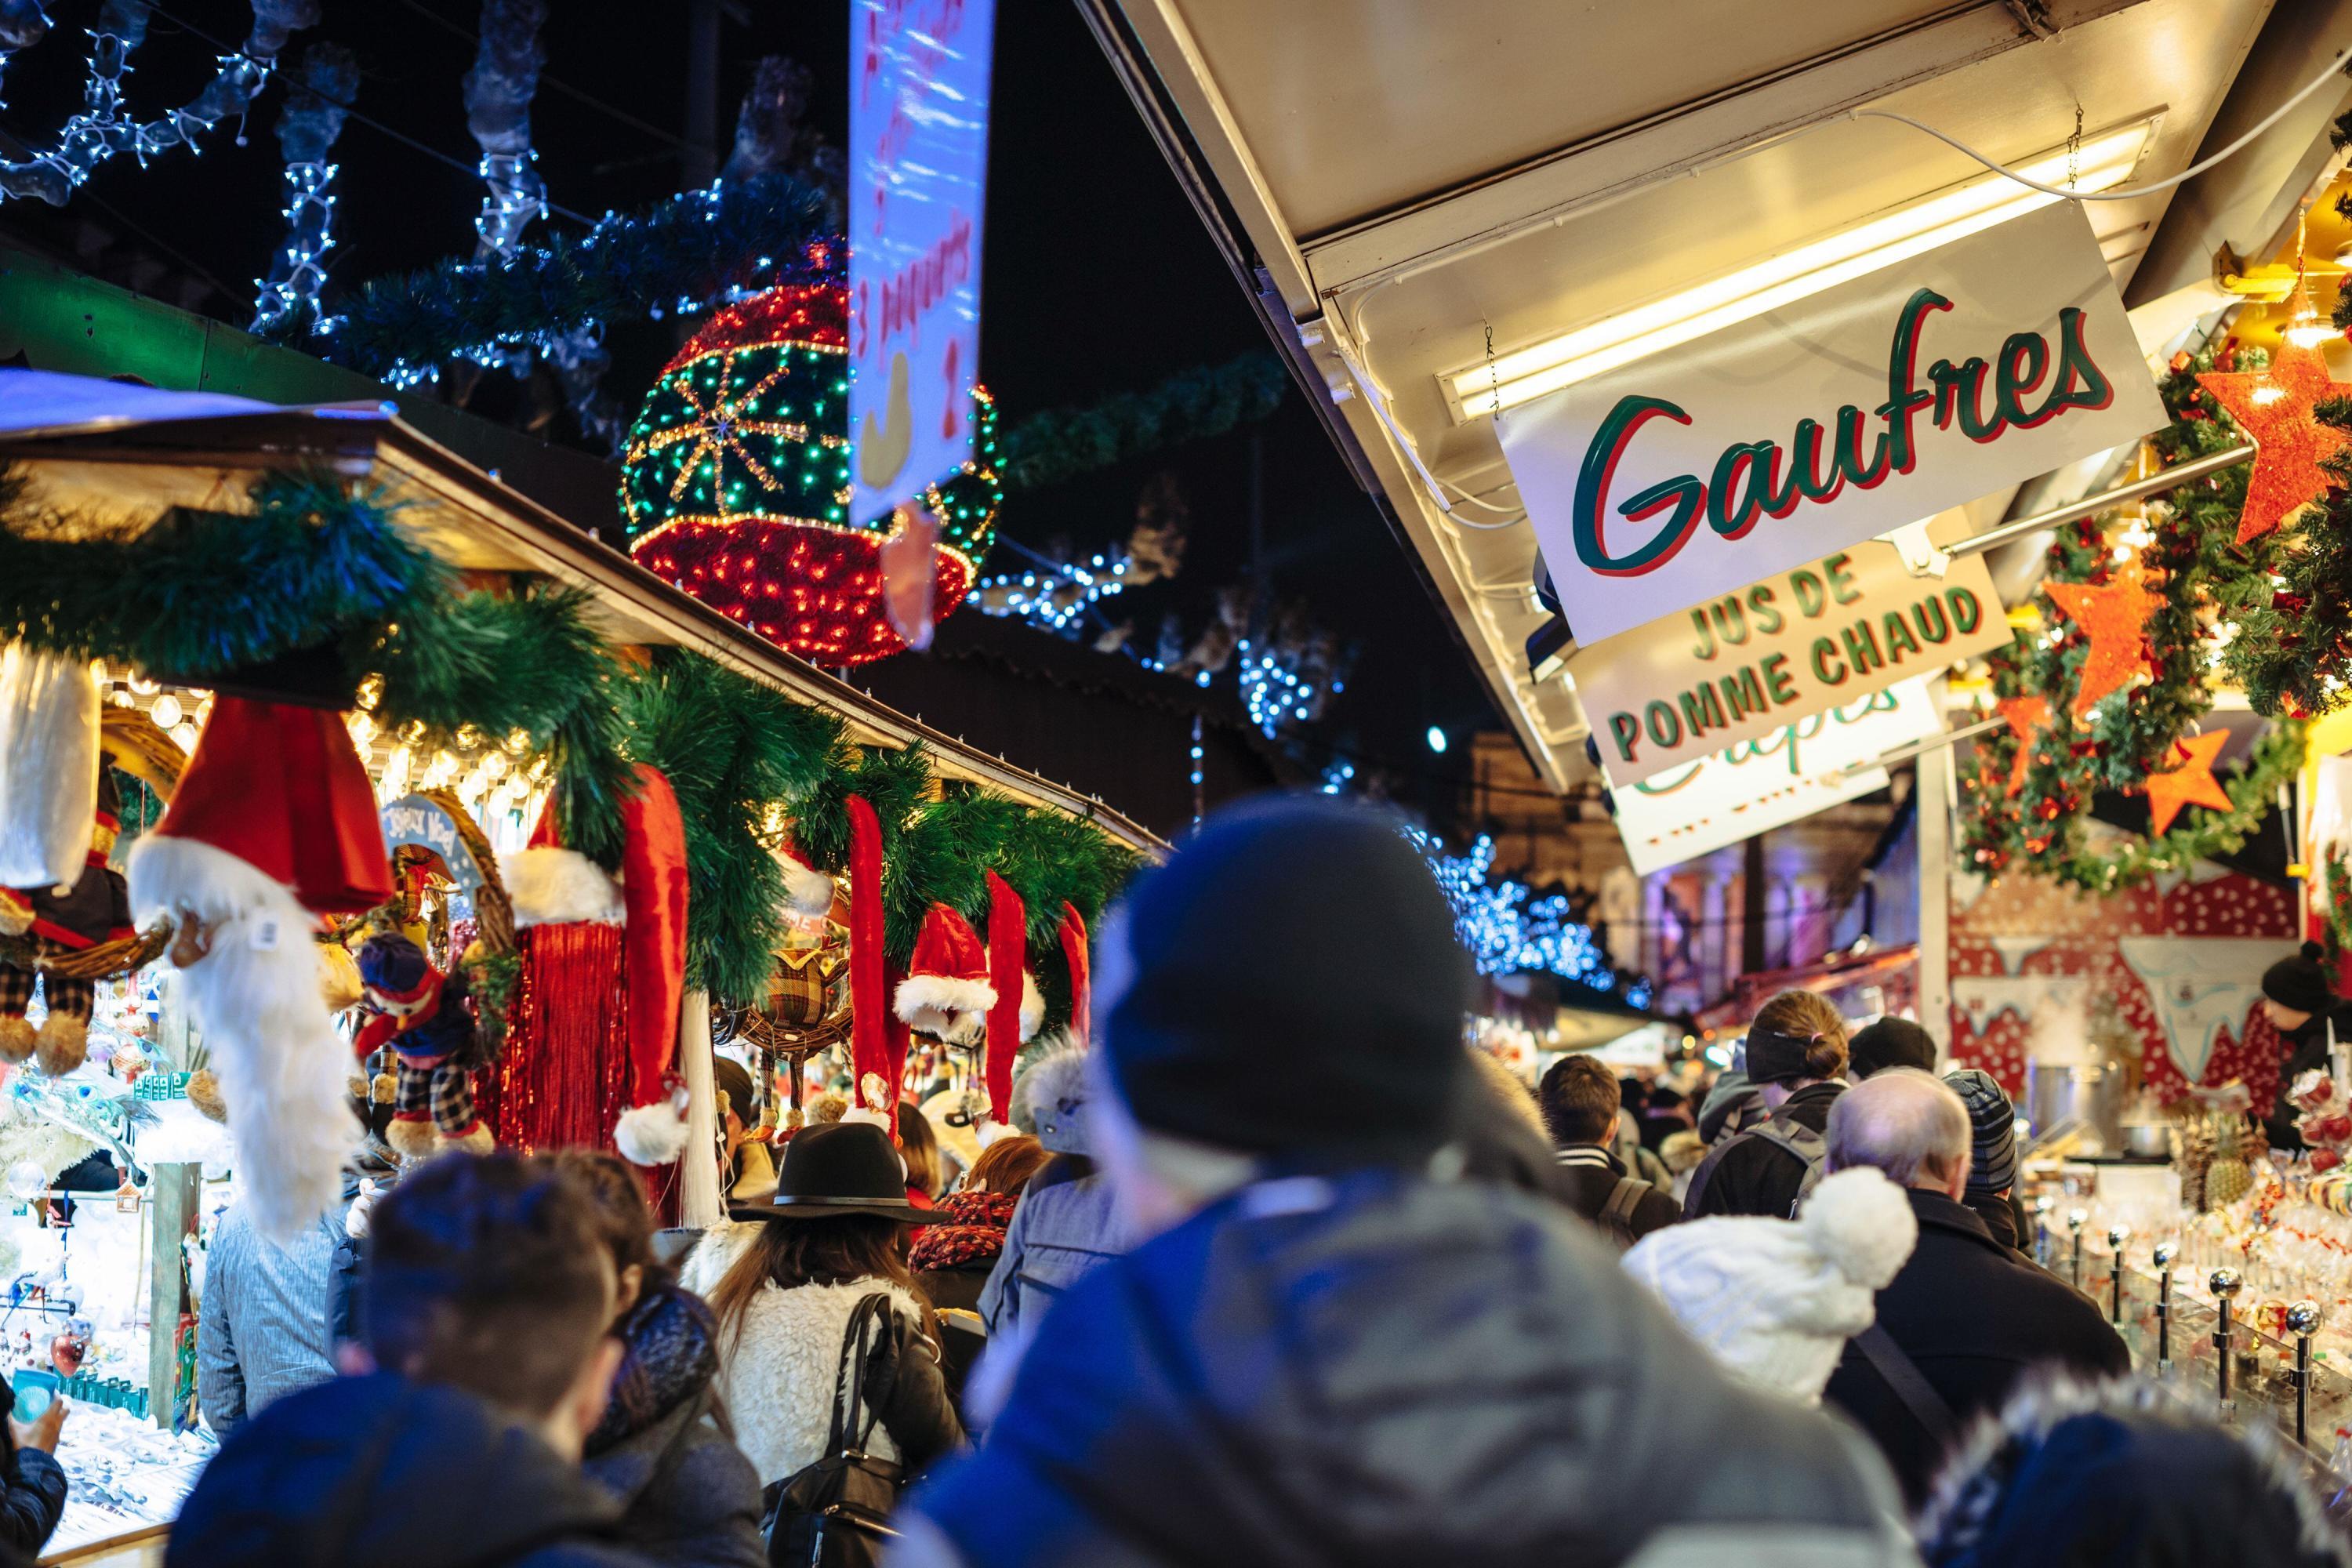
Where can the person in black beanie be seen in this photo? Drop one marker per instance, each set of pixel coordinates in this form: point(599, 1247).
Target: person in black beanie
point(1336, 1346)
point(2302, 1005)
point(1889, 1042)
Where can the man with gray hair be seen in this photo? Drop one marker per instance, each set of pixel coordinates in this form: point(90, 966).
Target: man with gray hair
point(1966, 1318)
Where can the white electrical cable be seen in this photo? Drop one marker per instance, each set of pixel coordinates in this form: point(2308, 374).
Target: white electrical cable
point(2115, 196)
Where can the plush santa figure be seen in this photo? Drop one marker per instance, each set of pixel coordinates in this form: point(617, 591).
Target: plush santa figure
point(73, 916)
point(271, 825)
point(423, 1015)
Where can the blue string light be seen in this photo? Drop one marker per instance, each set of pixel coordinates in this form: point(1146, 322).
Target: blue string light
point(1056, 596)
point(1509, 930)
point(292, 291)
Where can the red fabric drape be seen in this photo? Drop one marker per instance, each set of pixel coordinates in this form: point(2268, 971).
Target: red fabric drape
point(1008, 947)
point(870, 1017)
point(654, 893)
point(1073, 933)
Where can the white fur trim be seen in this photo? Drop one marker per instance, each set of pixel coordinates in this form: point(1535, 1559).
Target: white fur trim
point(1033, 1008)
point(560, 887)
point(280, 1063)
point(806, 891)
point(779, 1375)
point(650, 1134)
point(871, 1117)
point(919, 996)
point(991, 1131)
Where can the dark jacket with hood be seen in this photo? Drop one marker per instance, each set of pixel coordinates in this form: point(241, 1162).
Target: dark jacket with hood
point(1379, 1368)
point(376, 1472)
point(690, 1497)
point(1755, 1176)
point(2300, 1051)
point(1974, 1318)
point(32, 1493)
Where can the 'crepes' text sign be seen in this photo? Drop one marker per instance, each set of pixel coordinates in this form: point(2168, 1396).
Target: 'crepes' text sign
point(1925, 385)
point(1742, 790)
point(1744, 664)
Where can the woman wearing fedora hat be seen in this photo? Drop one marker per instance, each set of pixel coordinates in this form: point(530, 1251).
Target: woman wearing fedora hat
point(784, 1281)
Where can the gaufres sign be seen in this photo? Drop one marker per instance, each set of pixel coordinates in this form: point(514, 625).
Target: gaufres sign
point(1739, 792)
point(1744, 664)
point(1923, 385)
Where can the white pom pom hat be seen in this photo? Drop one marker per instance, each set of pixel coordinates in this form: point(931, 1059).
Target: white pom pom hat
point(1777, 1301)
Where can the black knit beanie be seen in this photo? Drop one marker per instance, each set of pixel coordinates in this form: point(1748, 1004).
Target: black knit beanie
point(1890, 1043)
point(2300, 982)
point(1297, 988)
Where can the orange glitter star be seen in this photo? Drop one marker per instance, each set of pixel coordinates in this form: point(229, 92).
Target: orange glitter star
point(2190, 783)
point(2115, 615)
point(2274, 406)
point(2025, 715)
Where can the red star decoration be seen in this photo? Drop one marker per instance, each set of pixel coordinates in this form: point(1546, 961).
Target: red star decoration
point(2115, 614)
point(2025, 716)
point(2275, 407)
point(2190, 783)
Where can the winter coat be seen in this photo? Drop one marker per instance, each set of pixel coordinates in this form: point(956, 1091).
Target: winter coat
point(1974, 1317)
point(1589, 1173)
point(1754, 1176)
point(32, 1491)
point(2300, 1051)
point(1055, 1237)
point(778, 1369)
point(377, 1472)
point(1382, 1368)
point(691, 1496)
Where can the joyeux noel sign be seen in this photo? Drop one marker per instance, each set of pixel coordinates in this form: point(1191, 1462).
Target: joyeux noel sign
point(1923, 385)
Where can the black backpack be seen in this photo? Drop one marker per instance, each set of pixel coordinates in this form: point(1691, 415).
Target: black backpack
point(1616, 1215)
point(1794, 1139)
point(831, 1513)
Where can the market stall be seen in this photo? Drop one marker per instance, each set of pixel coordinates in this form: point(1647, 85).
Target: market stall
point(512, 795)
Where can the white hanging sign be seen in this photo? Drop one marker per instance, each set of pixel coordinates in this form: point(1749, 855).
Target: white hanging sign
point(1925, 385)
point(1742, 666)
point(1741, 791)
point(918, 175)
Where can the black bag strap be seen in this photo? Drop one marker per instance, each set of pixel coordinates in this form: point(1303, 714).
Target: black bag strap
point(849, 1378)
point(1909, 1385)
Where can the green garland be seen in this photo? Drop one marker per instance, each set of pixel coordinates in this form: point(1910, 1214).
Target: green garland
point(2293, 651)
point(1208, 400)
point(2128, 734)
point(319, 567)
point(729, 746)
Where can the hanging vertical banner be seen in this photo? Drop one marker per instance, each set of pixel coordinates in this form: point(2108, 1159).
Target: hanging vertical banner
point(1925, 385)
point(1739, 792)
point(918, 175)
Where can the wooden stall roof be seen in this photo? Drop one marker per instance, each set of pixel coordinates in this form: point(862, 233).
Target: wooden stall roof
point(123, 455)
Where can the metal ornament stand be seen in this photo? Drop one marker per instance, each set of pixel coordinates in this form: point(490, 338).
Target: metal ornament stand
point(2075, 1220)
point(2115, 1239)
point(2166, 1252)
point(2225, 1284)
point(2042, 1230)
point(2303, 1318)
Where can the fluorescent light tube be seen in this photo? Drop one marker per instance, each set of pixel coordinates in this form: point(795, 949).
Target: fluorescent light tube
point(1527, 373)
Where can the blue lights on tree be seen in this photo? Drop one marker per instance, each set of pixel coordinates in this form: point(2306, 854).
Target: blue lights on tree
point(1510, 931)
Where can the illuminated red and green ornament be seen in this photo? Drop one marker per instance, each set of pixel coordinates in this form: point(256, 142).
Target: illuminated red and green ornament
point(735, 482)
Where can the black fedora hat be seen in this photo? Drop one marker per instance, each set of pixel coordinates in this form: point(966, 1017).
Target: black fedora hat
point(839, 1168)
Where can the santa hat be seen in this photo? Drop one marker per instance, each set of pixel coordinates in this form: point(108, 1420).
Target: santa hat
point(272, 821)
point(947, 992)
point(1019, 1010)
point(653, 891)
point(807, 891)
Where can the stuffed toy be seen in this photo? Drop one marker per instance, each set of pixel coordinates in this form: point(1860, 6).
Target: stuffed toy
point(422, 1013)
point(94, 908)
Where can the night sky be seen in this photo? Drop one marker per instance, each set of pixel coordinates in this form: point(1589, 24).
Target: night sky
point(1099, 278)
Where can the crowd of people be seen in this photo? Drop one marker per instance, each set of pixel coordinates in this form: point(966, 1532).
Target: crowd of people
point(1276, 1272)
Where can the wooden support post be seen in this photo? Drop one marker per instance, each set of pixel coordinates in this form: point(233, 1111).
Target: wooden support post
point(699, 1200)
point(173, 1199)
point(1933, 800)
